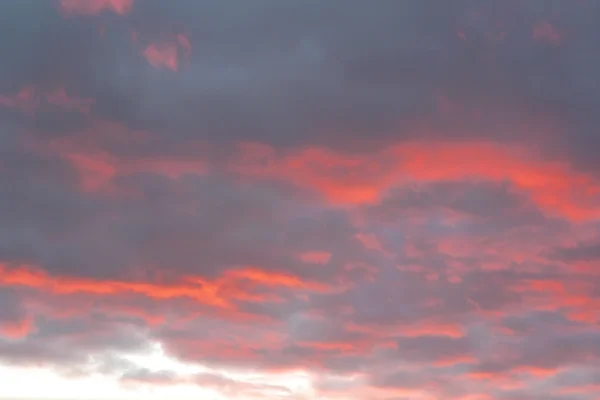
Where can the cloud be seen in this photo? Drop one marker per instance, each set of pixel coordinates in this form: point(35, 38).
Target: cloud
point(301, 200)
point(580, 252)
point(162, 55)
point(168, 53)
point(85, 7)
point(553, 186)
point(28, 100)
point(17, 330)
point(217, 294)
point(545, 32)
point(315, 257)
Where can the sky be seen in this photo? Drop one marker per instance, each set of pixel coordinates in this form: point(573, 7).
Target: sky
point(300, 200)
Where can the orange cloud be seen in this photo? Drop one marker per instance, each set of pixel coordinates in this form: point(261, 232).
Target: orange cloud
point(476, 396)
point(270, 279)
point(37, 279)
point(581, 390)
point(315, 257)
point(355, 179)
point(219, 293)
point(91, 7)
point(425, 328)
point(538, 372)
point(453, 360)
point(553, 186)
point(348, 347)
point(575, 298)
point(346, 179)
point(420, 328)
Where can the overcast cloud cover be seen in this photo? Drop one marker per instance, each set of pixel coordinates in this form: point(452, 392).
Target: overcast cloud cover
point(301, 199)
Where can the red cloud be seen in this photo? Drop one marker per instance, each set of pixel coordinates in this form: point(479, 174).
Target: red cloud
point(91, 7)
point(346, 179)
point(555, 187)
point(16, 329)
point(219, 293)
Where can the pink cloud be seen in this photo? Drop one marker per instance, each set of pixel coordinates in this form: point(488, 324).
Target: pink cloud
point(25, 100)
point(91, 7)
point(29, 100)
point(168, 54)
point(545, 32)
point(184, 43)
point(17, 329)
point(554, 186)
point(60, 99)
point(370, 241)
point(162, 55)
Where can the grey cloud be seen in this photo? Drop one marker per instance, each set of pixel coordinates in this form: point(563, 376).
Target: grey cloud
point(433, 348)
point(552, 349)
point(11, 309)
point(349, 72)
point(71, 344)
point(191, 226)
point(580, 252)
point(535, 322)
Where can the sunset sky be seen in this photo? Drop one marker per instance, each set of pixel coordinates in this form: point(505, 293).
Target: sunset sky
point(300, 199)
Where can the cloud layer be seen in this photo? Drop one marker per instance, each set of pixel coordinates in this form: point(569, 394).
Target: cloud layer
point(301, 200)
